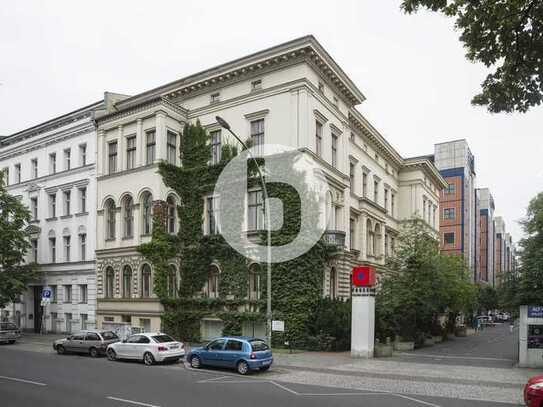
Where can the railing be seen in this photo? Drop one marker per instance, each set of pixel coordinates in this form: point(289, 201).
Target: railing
point(334, 238)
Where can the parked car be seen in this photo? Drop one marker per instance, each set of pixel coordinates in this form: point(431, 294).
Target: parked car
point(148, 347)
point(9, 332)
point(242, 353)
point(533, 392)
point(94, 343)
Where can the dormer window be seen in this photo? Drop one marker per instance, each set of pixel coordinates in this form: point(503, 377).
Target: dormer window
point(215, 97)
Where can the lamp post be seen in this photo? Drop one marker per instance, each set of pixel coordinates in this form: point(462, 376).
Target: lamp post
point(225, 125)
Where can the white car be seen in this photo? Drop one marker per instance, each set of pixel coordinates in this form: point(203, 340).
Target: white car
point(148, 347)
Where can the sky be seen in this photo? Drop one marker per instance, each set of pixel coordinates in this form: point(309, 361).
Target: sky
point(58, 56)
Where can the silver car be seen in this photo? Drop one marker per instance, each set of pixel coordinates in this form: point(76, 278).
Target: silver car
point(9, 332)
point(93, 343)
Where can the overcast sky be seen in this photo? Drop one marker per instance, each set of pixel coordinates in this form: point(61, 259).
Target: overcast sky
point(58, 56)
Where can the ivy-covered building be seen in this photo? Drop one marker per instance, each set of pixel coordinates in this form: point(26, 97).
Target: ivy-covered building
point(293, 94)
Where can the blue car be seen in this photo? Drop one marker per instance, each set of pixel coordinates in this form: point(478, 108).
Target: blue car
point(242, 353)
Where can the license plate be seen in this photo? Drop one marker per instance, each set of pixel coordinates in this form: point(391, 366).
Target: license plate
point(174, 346)
point(266, 362)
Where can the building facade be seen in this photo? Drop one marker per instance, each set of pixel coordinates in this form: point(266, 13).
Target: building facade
point(293, 94)
point(485, 237)
point(51, 168)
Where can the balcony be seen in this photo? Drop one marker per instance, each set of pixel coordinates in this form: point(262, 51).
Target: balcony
point(334, 238)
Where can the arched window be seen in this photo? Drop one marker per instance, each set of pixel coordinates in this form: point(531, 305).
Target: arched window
point(377, 240)
point(110, 281)
point(213, 282)
point(146, 281)
point(333, 283)
point(147, 213)
point(369, 238)
point(172, 209)
point(254, 282)
point(110, 219)
point(127, 282)
point(172, 281)
point(128, 217)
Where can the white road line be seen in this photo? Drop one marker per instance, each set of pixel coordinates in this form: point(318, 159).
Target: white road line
point(213, 379)
point(416, 400)
point(285, 388)
point(138, 403)
point(15, 379)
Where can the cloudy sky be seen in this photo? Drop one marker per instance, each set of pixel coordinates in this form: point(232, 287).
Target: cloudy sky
point(58, 56)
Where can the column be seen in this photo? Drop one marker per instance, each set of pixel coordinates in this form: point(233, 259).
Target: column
point(140, 143)
point(160, 136)
point(362, 322)
point(100, 153)
point(121, 156)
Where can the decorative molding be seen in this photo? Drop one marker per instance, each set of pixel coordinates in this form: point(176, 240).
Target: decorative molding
point(257, 115)
point(320, 117)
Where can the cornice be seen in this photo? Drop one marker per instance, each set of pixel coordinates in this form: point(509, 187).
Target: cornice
point(427, 167)
point(48, 177)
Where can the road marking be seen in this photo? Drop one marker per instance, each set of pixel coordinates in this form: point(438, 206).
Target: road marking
point(138, 403)
point(15, 379)
point(285, 388)
point(213, 379)
point(427, 355)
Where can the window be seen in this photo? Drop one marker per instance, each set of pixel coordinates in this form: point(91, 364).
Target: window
point(333, 283)
point(213, 282)
point(217, 344)
point(334, 150)
point(369, 239)
point(171, 147)
point(254, 282)
point(34, 167)
point(147, 213)
point(255, 211)
point(130, 152)
point(53, 249)
point(54, 293)
point(67, 197)
point(68, 293)
point(17, 173)
point(91, 336)
point(83, 246)
point(82, 200)
point(450, 189)
point(34, 208)
point(351, 177)
point(34, 243)
point(112, 157)
point(233, 346)
point(352, 233)
point(364, 184)
point(434, 216)
point(256, 84)
point(52, 163)
point(83, 154)
point(83, 294)
point(150, 143)
point(257, 136)
point(145, 281)
point(318, 139)
point(375, 191)
point(84, 321)
point(386, 200)
point(110, 219)
point(215, 147)
point(392, 245)
point(67, 242)
point(215, 97)
point(172, 281)
point(127, 281)
point(212, 215)
point(424, 209)
point(6, 175)
point(52, 205)
point(110, 281)
point(128, 217)
point(172, 211)
point(449, 213)
point(377, 236)
point(321, 87)
point(392, 203)
point(448, 238)
point(386, 245)
point(67, 159)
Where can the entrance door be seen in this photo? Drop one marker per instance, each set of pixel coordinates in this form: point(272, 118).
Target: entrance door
point(38, 309)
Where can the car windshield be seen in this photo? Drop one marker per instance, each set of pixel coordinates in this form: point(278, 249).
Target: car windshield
point(163, 338)
point(7, 325)
point(109, 335)
point(259, 345)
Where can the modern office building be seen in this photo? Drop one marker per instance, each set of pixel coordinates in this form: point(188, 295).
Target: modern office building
point(485, 237)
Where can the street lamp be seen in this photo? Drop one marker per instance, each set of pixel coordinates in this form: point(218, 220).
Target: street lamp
point(225, 125)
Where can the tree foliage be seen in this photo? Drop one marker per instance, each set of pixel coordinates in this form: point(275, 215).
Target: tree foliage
point(506, 35)
point(15, 273)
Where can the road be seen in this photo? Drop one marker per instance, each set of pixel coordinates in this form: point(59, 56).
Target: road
point(49, 380)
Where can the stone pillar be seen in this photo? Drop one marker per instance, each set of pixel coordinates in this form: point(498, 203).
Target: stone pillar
point(362, 322)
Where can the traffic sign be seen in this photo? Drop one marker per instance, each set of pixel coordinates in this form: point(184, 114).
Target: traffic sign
point(46, 293)
point(363, 276)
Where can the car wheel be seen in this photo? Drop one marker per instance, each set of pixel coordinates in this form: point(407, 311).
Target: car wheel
point(243, 367)
point(61, 350)
point(195, 362)
point(148, 359)
point(93, 352)
point(111, 355)
point(264, 368)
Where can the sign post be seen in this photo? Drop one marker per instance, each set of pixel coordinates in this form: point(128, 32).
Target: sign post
point(363, 312)
point(45, 299)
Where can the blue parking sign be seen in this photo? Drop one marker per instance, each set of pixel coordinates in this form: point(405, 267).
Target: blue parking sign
point(46, 293)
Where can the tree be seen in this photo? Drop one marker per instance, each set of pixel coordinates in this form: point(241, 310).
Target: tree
point(503, 34)
point(15, 273)
point(488, 299)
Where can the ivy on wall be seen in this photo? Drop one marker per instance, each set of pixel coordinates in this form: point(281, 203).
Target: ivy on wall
point(297, 285)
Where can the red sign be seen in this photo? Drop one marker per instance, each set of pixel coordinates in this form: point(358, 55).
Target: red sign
point(363, 276)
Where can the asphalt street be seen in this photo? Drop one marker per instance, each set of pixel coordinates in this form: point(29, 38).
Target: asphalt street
point(50, 380)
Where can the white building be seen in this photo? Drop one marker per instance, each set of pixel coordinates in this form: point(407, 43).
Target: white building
point(292, 94)
point(51, 168)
